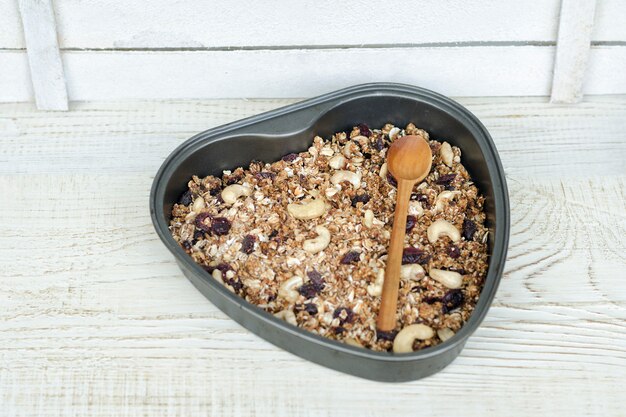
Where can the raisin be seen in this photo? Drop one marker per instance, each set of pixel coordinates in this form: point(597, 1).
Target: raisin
point(445, 180)
point(413, 255)
point(423, 198)
point(233, 179)
point(224, 268)
point(364, 130)
point(187, 244)
point(208, 268)
point(379, 144)
point(310, 308)
point(344, 314)
point(391, 180)
point(273, 234)
point(235, 283)
point(247, 245)
point(220, 226)
point(451, 300)
point(265, 174)
point(315, 277)
point(389, 335)
point(410, 222)
point(431, 300)
point(215, 191)
point(469, 228)
point(290, 157)
point(361, 198)
point(351, 257)
point(185, 198)
point(339, 330)
point(367, 155)
point(198, 234)
point(454, 251)
point(310, 289)
point(200, 222)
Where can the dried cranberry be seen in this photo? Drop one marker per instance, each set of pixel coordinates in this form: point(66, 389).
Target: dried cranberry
point(361, 198)
point(431, 300)
point(224, 268)
point(200, 222)
point(454, 251)
point(273, 234)
point(186, 198)
point(451, 300)
point(220, 226)
point(413, 255)
point(310, 308)
point(469, 228)
point(265, 174)
point(364, 130)
point(351, 257)
point(247, 245)
point(391, 180)
point(379, 144)
point(410, 222)
point(315, 277)
point(290, 157)
point(215, 191)
point(344, 314)
point(445, 179)
point(389, 335)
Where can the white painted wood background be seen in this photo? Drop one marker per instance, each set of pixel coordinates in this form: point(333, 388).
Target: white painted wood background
point(97, 320)
point(116, 49)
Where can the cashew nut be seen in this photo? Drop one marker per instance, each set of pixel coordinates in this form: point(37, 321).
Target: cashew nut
point(415, 208)
point(319, 243)
point(349, 149)
point(348, 176)
point(443, 197)
point(413, 272)
point(393, 133)
point(288, 316)
point(368, 218)
point(231, 193)
point(376, 288)
point(308, 210)
point(383, 171)
point(287, 289)
point(403, 342)
point(217, 275)
point(337, 162)
point(331, 191)
point(445, 333)
point(352, 342)
point(449, 279)
point(447, 156)
point(198, 204)
point(442, 228)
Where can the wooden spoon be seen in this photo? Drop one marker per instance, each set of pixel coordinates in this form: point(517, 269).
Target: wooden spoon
point(409, 159)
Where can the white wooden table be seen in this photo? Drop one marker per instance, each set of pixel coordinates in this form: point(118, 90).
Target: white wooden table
point(97, 320)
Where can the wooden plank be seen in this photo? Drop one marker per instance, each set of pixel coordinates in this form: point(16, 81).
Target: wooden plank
point(521, 70)
point(572, 52)
point(46, 68)
point(15, 84)
point(605, 71)
point(115, 24)
point(97, 319)
point(609, 21)
point(11, 34)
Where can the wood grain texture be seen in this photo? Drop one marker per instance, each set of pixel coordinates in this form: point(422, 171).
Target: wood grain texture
point(15, 84)
point(44, 58)
point(572, 51)
point(97, 320)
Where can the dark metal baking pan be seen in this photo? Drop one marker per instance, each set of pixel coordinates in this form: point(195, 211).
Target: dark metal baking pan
point(271, 135)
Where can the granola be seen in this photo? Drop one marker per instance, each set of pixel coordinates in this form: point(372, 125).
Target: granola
point(267, 240)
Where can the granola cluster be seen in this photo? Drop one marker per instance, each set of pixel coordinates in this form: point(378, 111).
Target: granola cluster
point(305, 238)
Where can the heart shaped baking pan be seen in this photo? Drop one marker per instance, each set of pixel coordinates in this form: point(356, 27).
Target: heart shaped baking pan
point(271, 135)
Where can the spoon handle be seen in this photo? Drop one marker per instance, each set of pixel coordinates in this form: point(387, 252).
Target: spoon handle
point(389, 301)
